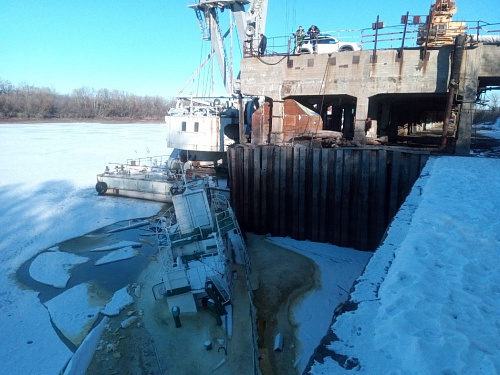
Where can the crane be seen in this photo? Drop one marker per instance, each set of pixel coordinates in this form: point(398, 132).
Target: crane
point(249, 24)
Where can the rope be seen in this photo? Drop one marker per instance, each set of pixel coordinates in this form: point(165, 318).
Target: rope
point(276, 63)
point(323, 88)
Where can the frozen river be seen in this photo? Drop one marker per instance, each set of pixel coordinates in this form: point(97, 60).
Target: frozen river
point(47, 196)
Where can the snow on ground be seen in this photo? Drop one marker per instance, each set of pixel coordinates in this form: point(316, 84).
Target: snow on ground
point(47, 196)
point(429, 300)
point(427, 303)
point(339, 268)
point(54, 268)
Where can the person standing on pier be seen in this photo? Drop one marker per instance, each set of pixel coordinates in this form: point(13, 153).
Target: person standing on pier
point(262, 44)
point(300, 34)
point(313, 34)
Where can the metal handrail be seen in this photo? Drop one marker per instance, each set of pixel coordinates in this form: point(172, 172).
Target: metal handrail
point(279, 45)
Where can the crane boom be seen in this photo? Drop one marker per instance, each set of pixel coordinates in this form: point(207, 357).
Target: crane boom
point(249, 25)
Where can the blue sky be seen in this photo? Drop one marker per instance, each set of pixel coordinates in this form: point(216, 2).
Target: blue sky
point(152, 47)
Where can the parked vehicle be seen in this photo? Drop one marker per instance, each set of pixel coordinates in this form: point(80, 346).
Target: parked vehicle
point(327, 44)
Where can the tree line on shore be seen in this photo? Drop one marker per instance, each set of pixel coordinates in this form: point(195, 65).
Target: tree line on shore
point(27, 102)
point(488, 111)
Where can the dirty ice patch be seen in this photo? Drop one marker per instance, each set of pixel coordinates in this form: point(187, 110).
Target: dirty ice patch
point(120, 300)
point(339, 268)
point(118, 245)
point(115, 256)
point(75, 311)
point(54, 268)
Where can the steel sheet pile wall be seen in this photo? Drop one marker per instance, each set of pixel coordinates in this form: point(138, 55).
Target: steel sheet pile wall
point(345, 197)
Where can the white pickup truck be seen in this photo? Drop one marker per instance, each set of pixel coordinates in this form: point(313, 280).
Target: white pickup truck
point(327, 44)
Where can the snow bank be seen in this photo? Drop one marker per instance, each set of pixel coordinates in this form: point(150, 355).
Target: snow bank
point(429, 301)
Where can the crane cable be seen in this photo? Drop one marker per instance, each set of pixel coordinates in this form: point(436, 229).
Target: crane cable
point(323, 88)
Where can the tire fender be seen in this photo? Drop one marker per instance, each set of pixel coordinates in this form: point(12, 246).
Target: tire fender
point(101, 187)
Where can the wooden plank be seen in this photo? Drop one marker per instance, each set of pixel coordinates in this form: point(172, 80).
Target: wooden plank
point(373, 197)
point(355, 201)
point(324, 196)
point(232, 178)
point(337, 203)
point(378, 214)
point(263, 223)
point(271, 201)
point(394, 163)
point(247, 183)
point(289, 190)
point(346, 198)
point(315, 194)
point(295, 192)
point(305, 190)
point(302, 201)
point(256, 193)
point(282, 166)
point(404, 178)
point(363, 199)
point(276, 191)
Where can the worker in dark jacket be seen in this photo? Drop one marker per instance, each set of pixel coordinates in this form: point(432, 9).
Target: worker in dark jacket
point(313, 33)
point(262, 44)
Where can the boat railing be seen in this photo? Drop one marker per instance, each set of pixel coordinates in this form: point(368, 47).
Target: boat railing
point(158, 161)
point(140, 165)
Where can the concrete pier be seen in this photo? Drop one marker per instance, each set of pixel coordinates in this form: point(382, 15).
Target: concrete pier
point(397, 92)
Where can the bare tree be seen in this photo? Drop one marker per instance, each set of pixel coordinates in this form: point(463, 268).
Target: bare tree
point(28, 101)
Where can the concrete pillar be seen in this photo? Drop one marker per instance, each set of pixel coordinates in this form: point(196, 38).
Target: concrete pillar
point(464, 129)
point(361, 115)
point(469, 83)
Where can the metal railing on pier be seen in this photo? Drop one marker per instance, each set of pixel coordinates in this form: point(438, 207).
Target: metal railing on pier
point(404, 35)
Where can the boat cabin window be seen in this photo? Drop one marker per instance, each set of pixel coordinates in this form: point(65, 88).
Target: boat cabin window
point(183, 126)
point(196, 126)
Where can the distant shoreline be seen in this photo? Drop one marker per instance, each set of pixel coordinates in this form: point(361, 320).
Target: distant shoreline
point(81, 120)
